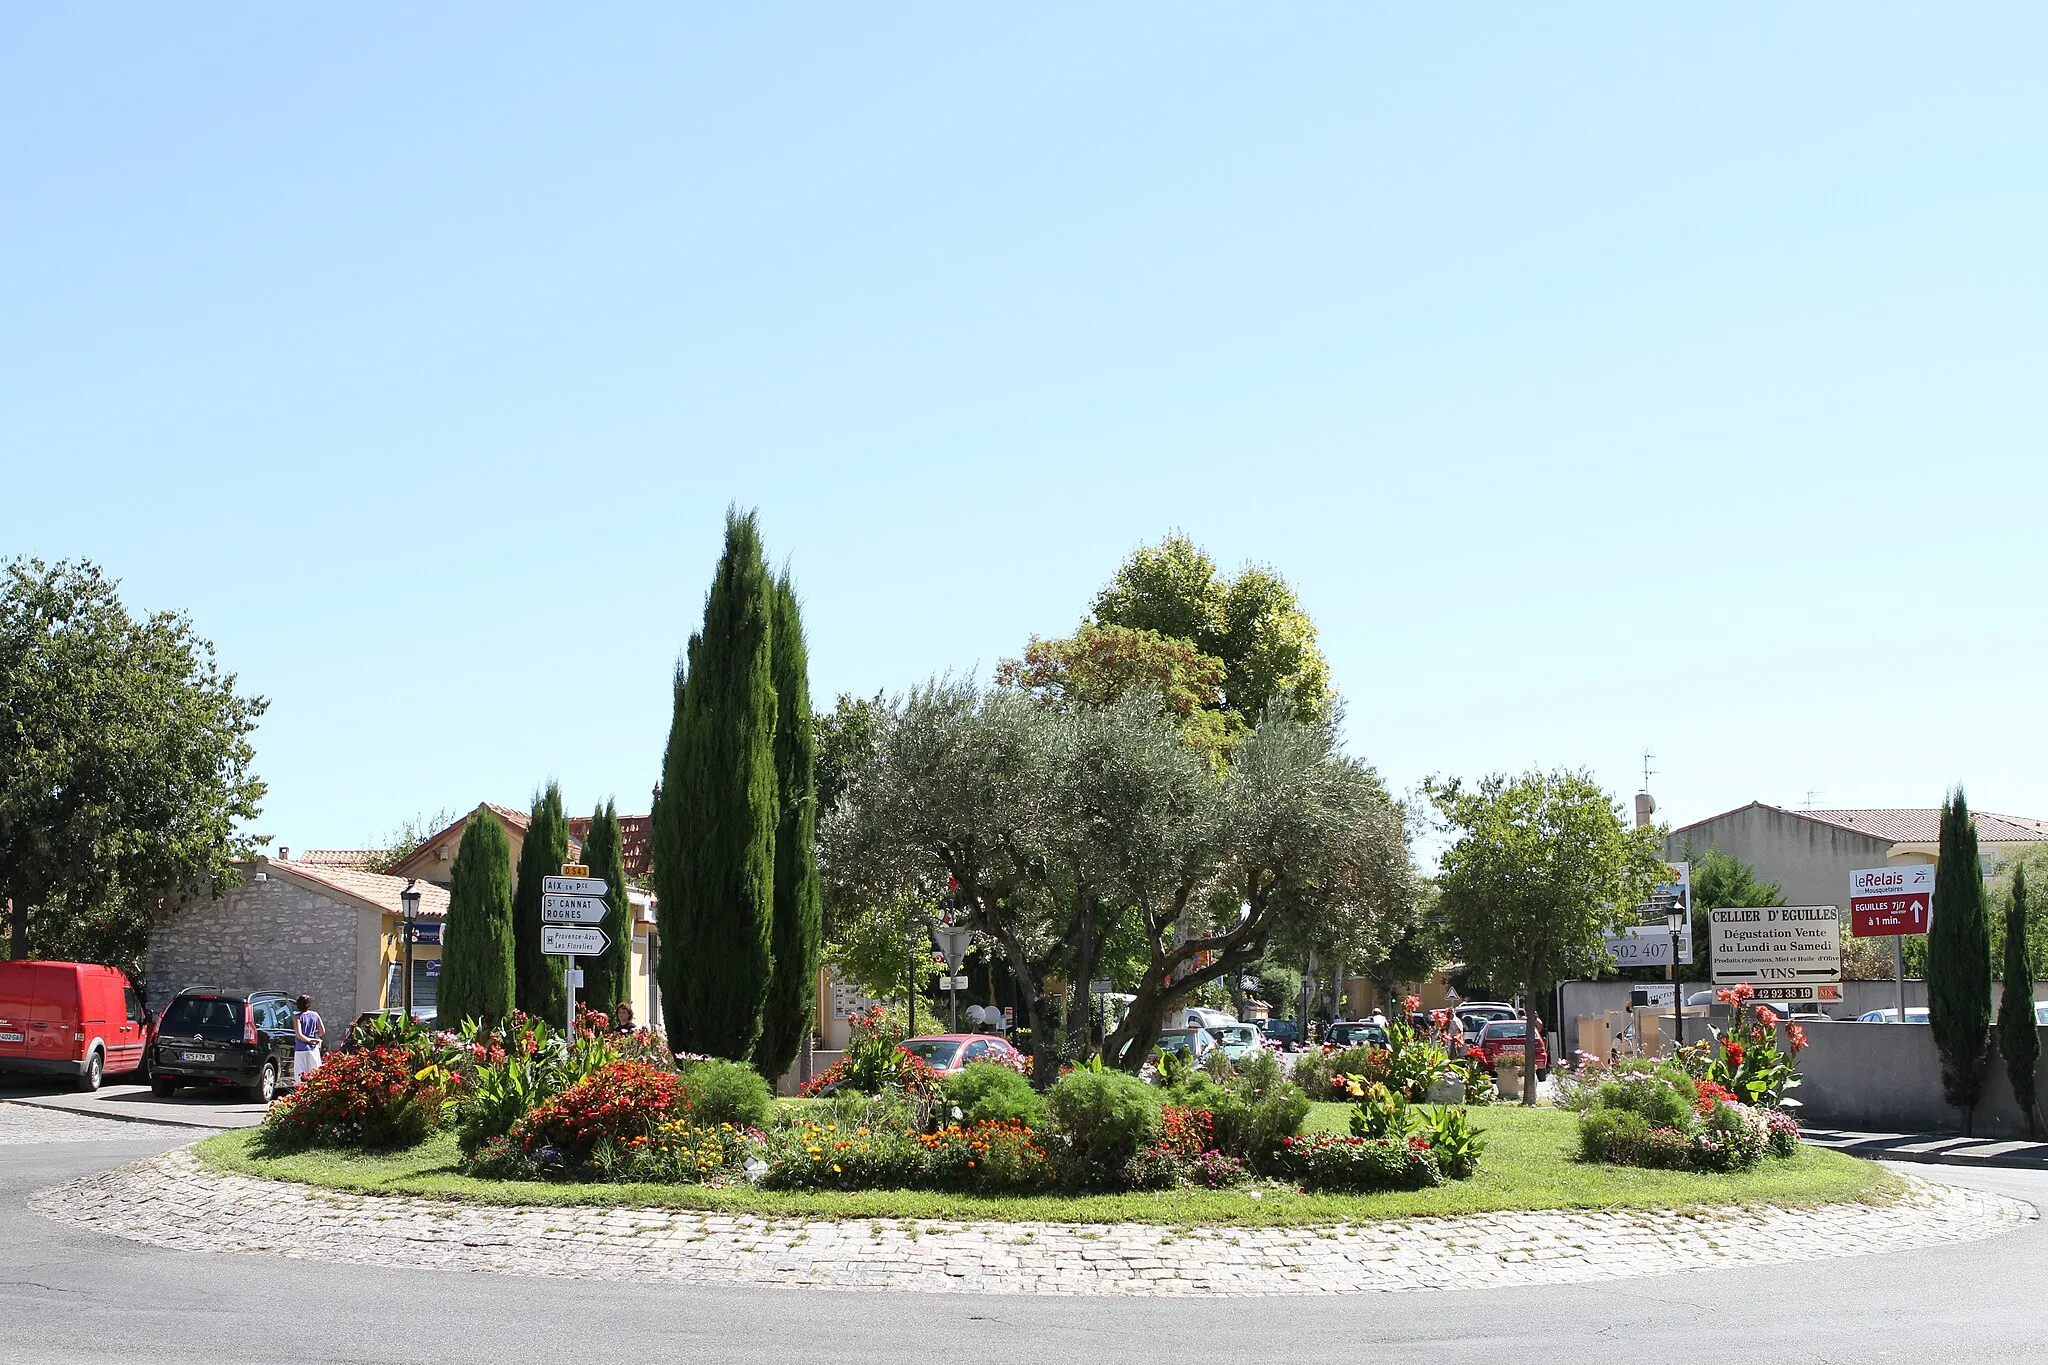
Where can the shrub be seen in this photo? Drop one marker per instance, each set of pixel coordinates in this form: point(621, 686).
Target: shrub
point(1784, 1129)
point(1381, 1113)
point(1217, 1171)
point(1734, 1137)
point(1612, 1135)
point(1271, 1120)
point(680, 1152)
point(990, 1158)
point(1664, 1097)
point(992, 1092)
point(725, 1092)
point(618, 1102)
point(1324, 1161)
point(1454, 1142)
point(1106, 1118)
point(377, 1097)
point(813, 1155)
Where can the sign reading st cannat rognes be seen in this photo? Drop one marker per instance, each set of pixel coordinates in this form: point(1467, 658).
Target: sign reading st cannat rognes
point(1885, 902)
point(1784, 952)
point(573, 909)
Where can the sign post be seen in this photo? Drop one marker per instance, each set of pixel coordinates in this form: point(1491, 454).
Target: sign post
point(1788, 953)
point(953, 943)
point(573, 899)
point(1891, 902)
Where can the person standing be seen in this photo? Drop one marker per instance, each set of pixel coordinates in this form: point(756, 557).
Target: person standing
point(307, 1030)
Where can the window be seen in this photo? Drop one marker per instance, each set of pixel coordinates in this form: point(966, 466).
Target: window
point(195, 1016)
point(137, 1012)
point(976, 1052)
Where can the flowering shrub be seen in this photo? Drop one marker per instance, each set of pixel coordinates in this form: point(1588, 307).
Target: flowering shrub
point(874, 1062)
point(1745, 1058)
point(1661, 1117)
point(810, 1155)
point(1217, 1171)
point(679, 1152)
point(1784, 1133)
point(1186, 1132)
point(388, 1096)
point(991, 1158)
point(618, 1103)
point(1324, 1161)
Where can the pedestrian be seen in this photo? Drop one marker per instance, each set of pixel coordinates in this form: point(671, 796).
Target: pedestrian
point(622, 1018)
point(307, 1030)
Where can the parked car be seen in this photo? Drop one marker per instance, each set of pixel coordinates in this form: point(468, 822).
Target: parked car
point(1474, 1016)
point(1193, 1042)
point(1505, 1033)
point(208, 1036)
point(1915, 1014)
point(1238, 1041)
point(77, 1020)
point(947, 1053)
point(1196, 1017)
point(1281, 1031)
point(1355, 1033)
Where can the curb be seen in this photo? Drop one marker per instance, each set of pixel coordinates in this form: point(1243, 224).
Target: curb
point(1876, 1150)
point(51, 1108)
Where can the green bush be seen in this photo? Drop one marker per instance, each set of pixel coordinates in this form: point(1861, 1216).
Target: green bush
point(1324, 1161)
point(990, 1092)
point(1106, 1118)
point(1382, 1113)
point(725, 1092)
point(1453, 1140)
point(1664, 1098)
point(1612, 1135)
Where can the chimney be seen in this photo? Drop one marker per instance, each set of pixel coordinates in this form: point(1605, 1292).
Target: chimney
point(1646, 806)
point(284, 855)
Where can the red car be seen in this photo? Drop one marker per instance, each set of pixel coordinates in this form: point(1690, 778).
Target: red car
point(78, 1020)
point(1511, 1033)
point(946, 1053)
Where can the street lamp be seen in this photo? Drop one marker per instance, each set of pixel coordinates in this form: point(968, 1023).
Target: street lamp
point(1674, 920)
point(409, 900)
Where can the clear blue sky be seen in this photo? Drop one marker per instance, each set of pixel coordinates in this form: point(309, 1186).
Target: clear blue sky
point(1600, 381)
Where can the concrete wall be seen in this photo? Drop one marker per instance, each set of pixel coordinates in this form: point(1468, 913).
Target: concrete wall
point(1809, 861)
point(1886, 1078)
point(1858, 997)
point(267, 935)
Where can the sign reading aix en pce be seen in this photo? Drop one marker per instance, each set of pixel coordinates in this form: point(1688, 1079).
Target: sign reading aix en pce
point(1888, 901)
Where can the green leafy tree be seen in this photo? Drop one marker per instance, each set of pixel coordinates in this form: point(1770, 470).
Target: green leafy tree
point(477, 959)
point(789, 1014)
point(715, 817)
point(1718, 880)
point(1959, 962)
point(1253, 623)
point(606, 977)
point(405, 841)
point(124, 765)
point(1543, 869)
point(2028, 863)
point(1101, 664)
point(2019, 1036)
point(541, 856)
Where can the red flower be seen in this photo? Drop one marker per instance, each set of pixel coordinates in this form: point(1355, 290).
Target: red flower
point(1798, 1037)
point(1733, 1052)
point(1766, 1016)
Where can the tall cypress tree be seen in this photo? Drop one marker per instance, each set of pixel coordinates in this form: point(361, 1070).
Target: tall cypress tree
point(476, 942)
point(714, 822)
point(542, 856)
point(1959, 963)
point(605, 981)
point(2019, 1036)
point(793, 937)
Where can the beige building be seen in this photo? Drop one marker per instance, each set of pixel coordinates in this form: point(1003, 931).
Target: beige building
point(1810, 853)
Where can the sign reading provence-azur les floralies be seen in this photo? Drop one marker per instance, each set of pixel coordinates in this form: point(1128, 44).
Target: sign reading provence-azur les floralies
point(1785, 952)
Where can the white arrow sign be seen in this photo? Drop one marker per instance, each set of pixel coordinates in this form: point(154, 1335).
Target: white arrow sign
point(559, 940)
point(573, 886)
point(572, 909)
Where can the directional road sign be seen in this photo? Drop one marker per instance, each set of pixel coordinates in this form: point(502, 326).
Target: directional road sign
point(572, 909)
point(573, 886)
point(560, 940)
point(1885, 902)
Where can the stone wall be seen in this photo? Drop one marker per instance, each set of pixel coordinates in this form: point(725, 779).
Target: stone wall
point(267, 935)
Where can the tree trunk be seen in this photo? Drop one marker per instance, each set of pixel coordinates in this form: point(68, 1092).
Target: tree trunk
point(1533, 1036)
point(17, 942)
point(1079, 1010)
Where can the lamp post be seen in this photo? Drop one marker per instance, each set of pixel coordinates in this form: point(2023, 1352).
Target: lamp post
point(409, 899)
point(1674, 920)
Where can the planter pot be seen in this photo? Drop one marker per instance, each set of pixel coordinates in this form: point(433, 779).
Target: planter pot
point(1508, 1081)
point(1447, 1092)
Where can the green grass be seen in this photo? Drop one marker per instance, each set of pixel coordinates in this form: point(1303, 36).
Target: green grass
point(1529, 1164)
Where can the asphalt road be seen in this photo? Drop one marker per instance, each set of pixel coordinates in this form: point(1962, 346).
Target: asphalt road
point(67, 1295)
point(128, 1100)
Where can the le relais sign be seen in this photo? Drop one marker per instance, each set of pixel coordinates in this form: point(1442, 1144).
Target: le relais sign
point(1888, 901)
point(1786, 952)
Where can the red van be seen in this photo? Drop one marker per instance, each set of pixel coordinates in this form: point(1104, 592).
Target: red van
point(72, 1019)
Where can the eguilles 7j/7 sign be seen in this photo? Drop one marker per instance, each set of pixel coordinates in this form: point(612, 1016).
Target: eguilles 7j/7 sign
point(1888, 901)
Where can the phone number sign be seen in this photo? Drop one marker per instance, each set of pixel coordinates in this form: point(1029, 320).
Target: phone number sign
point(1885, 902)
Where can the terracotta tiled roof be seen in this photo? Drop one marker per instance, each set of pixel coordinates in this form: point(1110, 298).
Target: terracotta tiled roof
point(514, 819)
point(1923, 825)
point(340, 857)
point(373, 888)
point(636, 836)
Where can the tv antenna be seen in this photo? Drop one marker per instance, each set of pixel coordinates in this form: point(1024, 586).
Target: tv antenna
point(1648, 771)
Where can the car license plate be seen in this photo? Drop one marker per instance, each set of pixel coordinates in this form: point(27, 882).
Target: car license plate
point(198, 1057)
point(10, 1037)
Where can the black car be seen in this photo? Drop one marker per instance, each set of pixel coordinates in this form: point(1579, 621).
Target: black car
point(1281, 1030)
point(224, 1037)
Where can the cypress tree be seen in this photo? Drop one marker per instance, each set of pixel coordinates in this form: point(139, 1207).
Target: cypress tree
point(793, 936)
point(605, 978)
point(2019, 1037)
point(476, 942)
point(714, 821)
point(546, 849)
point(1959, 963)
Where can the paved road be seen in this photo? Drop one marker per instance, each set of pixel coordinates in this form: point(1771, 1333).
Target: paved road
point(129, 1101)
point(67, 1295)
